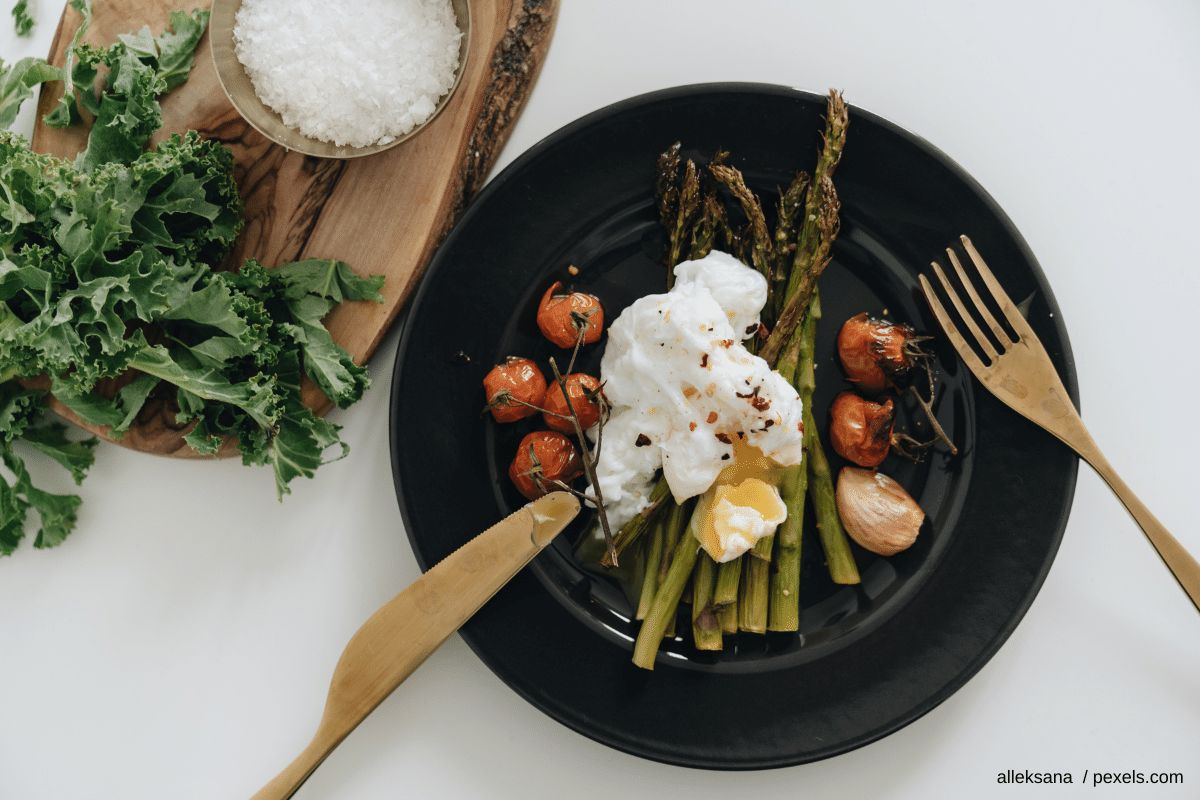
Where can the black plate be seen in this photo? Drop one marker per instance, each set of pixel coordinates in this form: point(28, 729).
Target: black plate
point(869, 659)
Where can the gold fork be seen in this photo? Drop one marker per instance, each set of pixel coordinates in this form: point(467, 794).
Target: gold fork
point(1020, 374)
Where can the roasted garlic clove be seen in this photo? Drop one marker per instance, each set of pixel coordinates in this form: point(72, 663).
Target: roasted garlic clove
point(877, 512)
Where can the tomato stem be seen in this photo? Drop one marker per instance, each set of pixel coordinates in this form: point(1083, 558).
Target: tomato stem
point(589, 464)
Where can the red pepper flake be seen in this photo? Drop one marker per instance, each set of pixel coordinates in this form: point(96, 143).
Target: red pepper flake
point(690, 391)
point(691, 426)
point(800, 427)
point(642, 440)
point(712, 417)
point(759, 403)
point(704, 361)
point(723, 438)
point(727, 343)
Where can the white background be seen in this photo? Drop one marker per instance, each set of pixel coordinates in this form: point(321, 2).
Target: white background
point(180, 643)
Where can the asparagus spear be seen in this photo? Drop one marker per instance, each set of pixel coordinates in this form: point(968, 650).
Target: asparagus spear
point(837, 120)
point(729, 577)
point(754, 590)
point(666, 186)
point(689, 202)
point(704, 232)
point(677, 202)
point(727, 237)
point(666, 599)
point(784, 606)
point(753, 593)
point(725, 594)
point(801, 291)
point(838, 557)
point(673, 529)
point(740, 245)
point(706, 628)
point(761, 252)
point(674, 522)
point(632, 530)
point(653, 557)
point(790, 201)
point(819, 229)
point(727, 616)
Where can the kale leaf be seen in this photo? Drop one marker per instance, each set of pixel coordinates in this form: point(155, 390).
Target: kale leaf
point(20, 409)
point(140, 67)
point(64, 113)
point(22, 19)
point(17, 82)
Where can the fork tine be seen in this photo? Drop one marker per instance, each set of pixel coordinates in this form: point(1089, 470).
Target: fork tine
point(960, 344)
point(1002, 337)
point(1009, 309)
point(985, 343)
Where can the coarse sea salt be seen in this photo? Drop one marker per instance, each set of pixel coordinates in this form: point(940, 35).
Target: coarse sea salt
point(351, 72)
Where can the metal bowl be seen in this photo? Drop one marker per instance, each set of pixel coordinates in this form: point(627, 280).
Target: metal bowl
point(240, 91)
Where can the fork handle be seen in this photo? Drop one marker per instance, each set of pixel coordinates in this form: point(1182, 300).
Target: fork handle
point(1182, 564)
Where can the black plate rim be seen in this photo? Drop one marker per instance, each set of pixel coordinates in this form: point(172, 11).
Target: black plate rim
point(1068, 375)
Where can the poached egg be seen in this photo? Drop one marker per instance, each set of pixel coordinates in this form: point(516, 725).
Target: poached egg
point(689, 398)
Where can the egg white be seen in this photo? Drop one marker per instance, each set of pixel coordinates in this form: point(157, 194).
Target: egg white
point(683, 389)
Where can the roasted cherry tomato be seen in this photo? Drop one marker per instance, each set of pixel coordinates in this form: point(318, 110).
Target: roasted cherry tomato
point(517, 379)
point(860, 430)
point(585, 399)
point(544, 457)
point(561, 316)
point(876, 352)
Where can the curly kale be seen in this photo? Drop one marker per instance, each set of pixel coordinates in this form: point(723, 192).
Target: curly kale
point(22, 19)
point(110, 292)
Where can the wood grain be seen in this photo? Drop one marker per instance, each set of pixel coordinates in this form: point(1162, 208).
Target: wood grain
point(383, 214)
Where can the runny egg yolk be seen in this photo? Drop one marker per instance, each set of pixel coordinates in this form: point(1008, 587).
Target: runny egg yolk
point(744, 505)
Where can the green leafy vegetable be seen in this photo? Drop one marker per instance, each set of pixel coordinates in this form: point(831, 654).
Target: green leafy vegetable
point(22, 19)
point(313, 287)
point(64, 113)
point(170, 53)
point(19, 410)
point(51, 440)
point(108, 287)
point(17, 82)
point(141, 67)
point(57, 511)
point(18, 406)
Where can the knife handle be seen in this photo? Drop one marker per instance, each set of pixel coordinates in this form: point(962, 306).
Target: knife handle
point(398, 637)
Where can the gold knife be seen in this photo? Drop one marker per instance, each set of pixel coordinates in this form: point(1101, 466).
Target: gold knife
point(408, 628)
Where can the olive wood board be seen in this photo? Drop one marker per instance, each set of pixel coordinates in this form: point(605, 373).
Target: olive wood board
point(383, 214)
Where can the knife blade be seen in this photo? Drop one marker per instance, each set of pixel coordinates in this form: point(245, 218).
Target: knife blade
point(398, 637)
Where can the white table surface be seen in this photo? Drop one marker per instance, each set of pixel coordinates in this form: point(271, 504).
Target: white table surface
point(180, 643)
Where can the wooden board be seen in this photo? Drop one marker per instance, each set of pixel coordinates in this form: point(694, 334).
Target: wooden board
point(383, 214)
